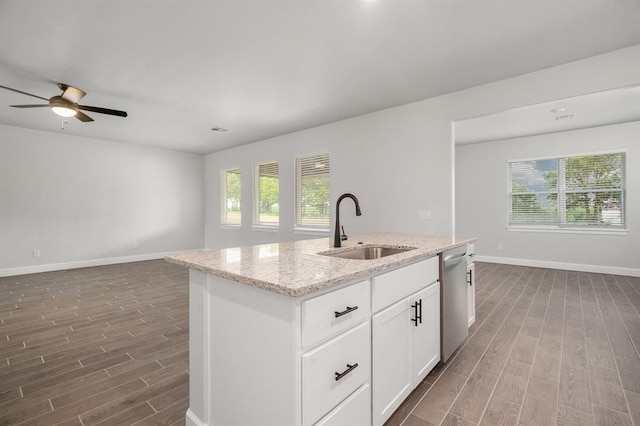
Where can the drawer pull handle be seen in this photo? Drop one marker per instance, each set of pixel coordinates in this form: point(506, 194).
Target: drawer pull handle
point(349, 369)
point(346, 311)
point(470, 273)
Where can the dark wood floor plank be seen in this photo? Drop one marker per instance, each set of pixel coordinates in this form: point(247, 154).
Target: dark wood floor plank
point(438, 400)
point(606, 389)
point(501, 412)
point(114, 407)
point(127, 325)
point(607, 416)
point(512, 384)
point(568, 416)
point(409, 404)
point(170, 415)
point(129, 416)
point(634, 406)
point(540, 404)
point(475, 395)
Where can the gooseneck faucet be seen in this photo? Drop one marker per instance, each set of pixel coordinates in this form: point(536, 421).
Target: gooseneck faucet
point(338, 237)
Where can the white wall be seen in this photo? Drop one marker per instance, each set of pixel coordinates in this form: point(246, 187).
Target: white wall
point(400, 160)
point(84, 201)
point(481, 202)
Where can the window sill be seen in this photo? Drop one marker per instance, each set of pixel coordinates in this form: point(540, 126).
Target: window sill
point(310, 231)
point(559, 230)
point(226, 226)
point(266, 228)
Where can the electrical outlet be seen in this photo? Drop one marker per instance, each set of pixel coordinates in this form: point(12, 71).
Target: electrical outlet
point(424, 215)
point(499, 246)
point(36, 252)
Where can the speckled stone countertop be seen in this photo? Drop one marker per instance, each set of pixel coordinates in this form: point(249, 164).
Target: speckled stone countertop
point(295, 268)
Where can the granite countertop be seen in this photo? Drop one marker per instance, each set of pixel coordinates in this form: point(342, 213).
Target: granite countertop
point(295, 268)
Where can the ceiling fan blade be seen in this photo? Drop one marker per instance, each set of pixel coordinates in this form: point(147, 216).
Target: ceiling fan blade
point(83, 117)
point(103, 110)
point(24, 93)
point(70, 93)
point(29, 106)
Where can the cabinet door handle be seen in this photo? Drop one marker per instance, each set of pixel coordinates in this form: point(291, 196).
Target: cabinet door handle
point(470, 273)
point(349, 369)
point(346, 311)
point(418, 312)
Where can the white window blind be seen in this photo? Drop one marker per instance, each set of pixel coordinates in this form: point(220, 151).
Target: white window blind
point(230, 199)
point(313, 208)
point(573, 191)
point(266, 194)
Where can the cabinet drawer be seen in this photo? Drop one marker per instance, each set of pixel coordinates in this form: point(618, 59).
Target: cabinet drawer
point(395, 285)
point(322, 388)
point(353, 411)
point(324, 316)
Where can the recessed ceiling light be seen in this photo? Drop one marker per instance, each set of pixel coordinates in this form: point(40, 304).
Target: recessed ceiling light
point(219, 130)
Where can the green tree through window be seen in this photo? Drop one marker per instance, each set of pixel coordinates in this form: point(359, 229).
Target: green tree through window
point(586, 190)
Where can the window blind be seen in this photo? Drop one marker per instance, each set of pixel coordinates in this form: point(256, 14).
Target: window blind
point(313, 207)
point(581, 190)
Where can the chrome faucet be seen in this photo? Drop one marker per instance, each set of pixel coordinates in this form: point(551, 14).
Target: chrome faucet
point(338, 237)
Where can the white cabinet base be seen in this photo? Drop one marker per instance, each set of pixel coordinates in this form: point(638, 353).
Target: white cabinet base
point(258, 357)
point(471, 293)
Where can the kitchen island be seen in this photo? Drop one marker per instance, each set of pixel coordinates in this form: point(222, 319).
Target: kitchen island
point(288, 333)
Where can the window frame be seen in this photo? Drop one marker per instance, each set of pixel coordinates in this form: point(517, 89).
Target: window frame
point(299, 225)
point(224, 222)
point(561, 226)
point(257, 224)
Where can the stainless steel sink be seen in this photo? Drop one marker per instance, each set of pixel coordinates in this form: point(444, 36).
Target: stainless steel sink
point(367, 253)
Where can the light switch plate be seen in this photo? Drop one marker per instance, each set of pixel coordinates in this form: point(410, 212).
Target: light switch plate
point(424, 215)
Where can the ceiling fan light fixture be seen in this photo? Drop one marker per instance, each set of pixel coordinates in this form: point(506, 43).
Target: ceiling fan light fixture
point(64, 111)
point(62, 107)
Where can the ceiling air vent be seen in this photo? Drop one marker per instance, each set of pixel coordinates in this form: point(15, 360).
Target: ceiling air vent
point(565, 117)
point(219, 130)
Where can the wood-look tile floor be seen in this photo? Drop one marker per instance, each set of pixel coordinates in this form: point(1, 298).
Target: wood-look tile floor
point(106, 345)
point(109, 345)
point(549, 347)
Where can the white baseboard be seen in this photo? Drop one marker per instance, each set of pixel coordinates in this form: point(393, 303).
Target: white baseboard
point(192, 420)
point(8, 272)
point(599, 269)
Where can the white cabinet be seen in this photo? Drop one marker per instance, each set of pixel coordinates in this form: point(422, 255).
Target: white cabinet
point(471, 285)
point(318, 359)
point(406, 336)
point(354, 411)
point(426, 334)
point(392, 354)
point(332, 313)
point(334, 370)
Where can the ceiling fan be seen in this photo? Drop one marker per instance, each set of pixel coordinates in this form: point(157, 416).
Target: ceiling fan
point(66, 105)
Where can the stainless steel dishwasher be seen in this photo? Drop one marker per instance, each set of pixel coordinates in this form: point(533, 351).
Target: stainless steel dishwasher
point(454, 327)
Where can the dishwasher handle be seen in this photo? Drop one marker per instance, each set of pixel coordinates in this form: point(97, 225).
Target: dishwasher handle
point(455, 258)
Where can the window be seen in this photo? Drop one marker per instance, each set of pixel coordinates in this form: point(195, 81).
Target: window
point(313, 206)
point(231, 196)
point(576, 191)
point(266, 195)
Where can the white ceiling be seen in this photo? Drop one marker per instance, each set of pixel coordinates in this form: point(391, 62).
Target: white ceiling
point(615, 106)
point(263, 68)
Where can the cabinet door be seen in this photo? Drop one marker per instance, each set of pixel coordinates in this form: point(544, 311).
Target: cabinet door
point(392, 372)
point(426, 332)
point(471, 293)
